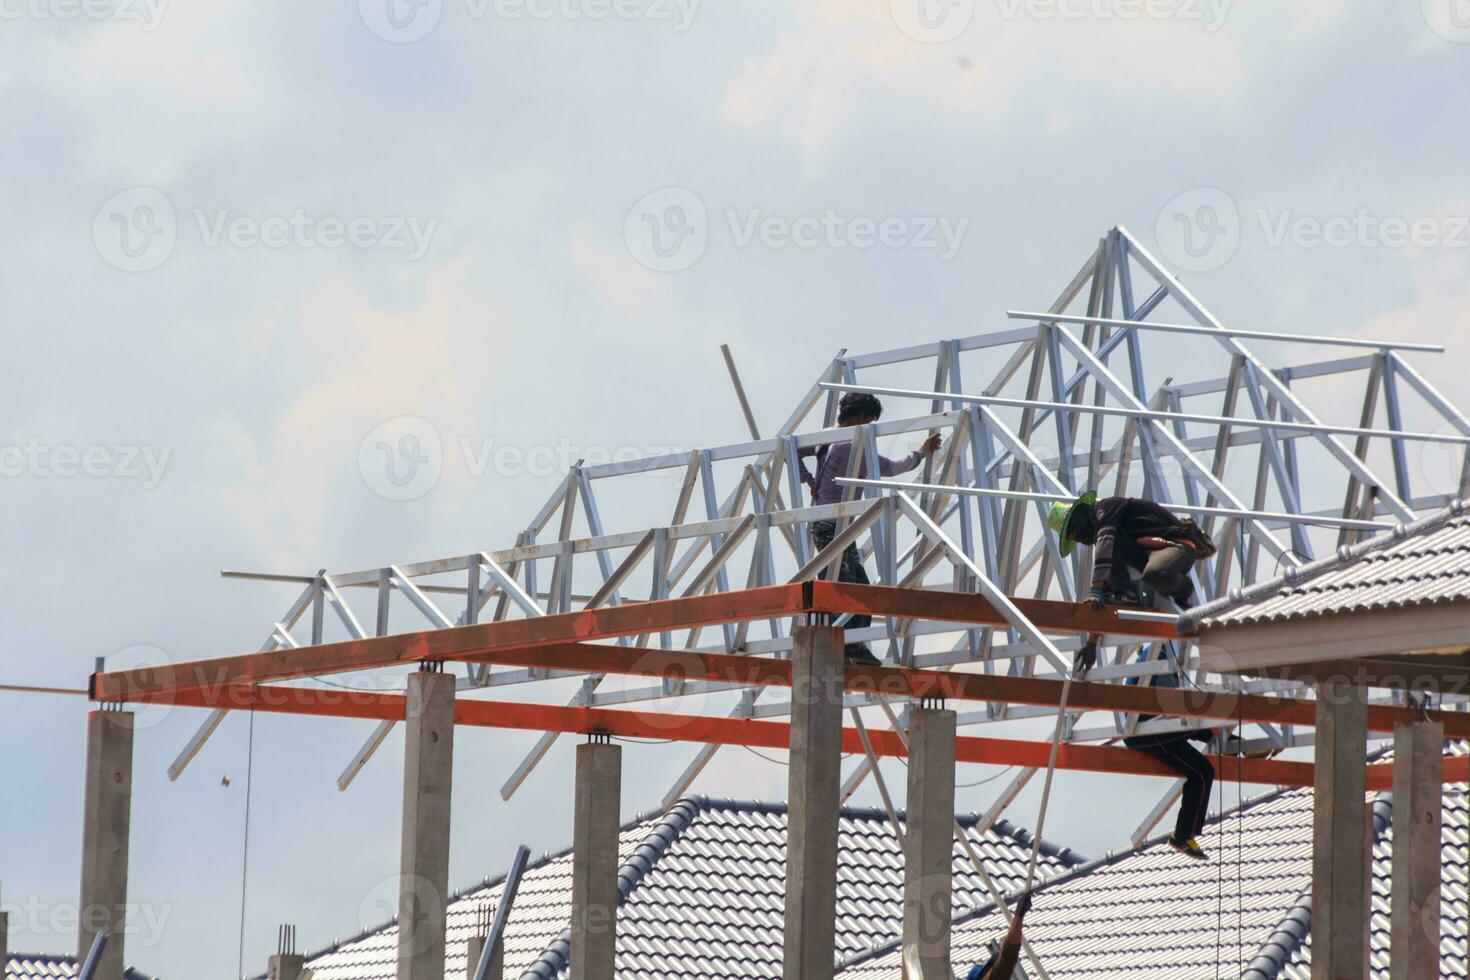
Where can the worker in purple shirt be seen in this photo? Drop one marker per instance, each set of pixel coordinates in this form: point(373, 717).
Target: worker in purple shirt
point(855, 408)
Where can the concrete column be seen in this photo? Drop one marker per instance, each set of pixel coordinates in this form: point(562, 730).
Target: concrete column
point(595, 860)
point(105, 818)
point(929, 845)
point(814, 792)
point(1340, 829)
point(423, 880)
point(472, 959)
point(285, 966)
point(1418, 803)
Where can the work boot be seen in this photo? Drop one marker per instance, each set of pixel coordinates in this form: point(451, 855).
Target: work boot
point(1189, 848)
point(858, 655)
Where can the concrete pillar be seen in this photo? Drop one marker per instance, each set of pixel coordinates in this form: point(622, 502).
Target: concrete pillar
point(929, 845)
point(814, 792)
point(423, 880)
point(285, 966)
point(1418, 786)
point(597, 802)
point(1340, 834)
point(105, 818)
point(472, 959)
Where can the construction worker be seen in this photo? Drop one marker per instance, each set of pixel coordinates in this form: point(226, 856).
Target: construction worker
point(1129, 533)
point(855, 408)
point(1003, 960)
point(1132, 534)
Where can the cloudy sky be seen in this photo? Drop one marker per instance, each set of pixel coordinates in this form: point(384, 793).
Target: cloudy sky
point(240, 238)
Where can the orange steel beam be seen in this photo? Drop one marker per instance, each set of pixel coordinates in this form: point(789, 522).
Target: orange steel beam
point(720, 730)
point(902, 682)
point(465, 642)
point(1049, 615)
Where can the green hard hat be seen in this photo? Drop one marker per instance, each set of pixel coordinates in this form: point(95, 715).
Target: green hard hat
point(1061, 517)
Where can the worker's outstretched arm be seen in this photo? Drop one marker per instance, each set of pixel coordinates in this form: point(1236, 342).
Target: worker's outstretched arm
point(891, 467)
point(1010, 948)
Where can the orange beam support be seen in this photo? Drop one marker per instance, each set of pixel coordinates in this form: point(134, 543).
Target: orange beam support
point(901, 682)
point(466, 642)
point(1049, 615)
point(720, 730)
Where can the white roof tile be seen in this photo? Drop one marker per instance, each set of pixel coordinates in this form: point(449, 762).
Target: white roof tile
point(1415, 565)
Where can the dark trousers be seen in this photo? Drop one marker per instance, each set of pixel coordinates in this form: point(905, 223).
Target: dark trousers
point(851, 570)
point(1174, 751)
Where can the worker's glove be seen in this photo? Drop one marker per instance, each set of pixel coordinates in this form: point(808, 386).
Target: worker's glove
point(1095, 600)
point(1023, 906)
point(1086, 658)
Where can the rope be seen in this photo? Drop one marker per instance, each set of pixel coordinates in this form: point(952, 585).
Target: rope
point(245, 850)
point(1051, 767)
point(969, 848)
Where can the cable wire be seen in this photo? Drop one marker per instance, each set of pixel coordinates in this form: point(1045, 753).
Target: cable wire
point(245, 850)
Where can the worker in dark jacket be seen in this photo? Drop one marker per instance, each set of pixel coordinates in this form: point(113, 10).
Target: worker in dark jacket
point(1002, 963)
point(855, 408)
point(1125, 533)
point(1128, 533)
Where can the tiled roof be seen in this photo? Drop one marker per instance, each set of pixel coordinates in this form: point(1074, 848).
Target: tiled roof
point(541, 911)
point(1149, 912)
point(1416, 564)
point(704, 886)
point(1454, 902)
point(47, 966)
